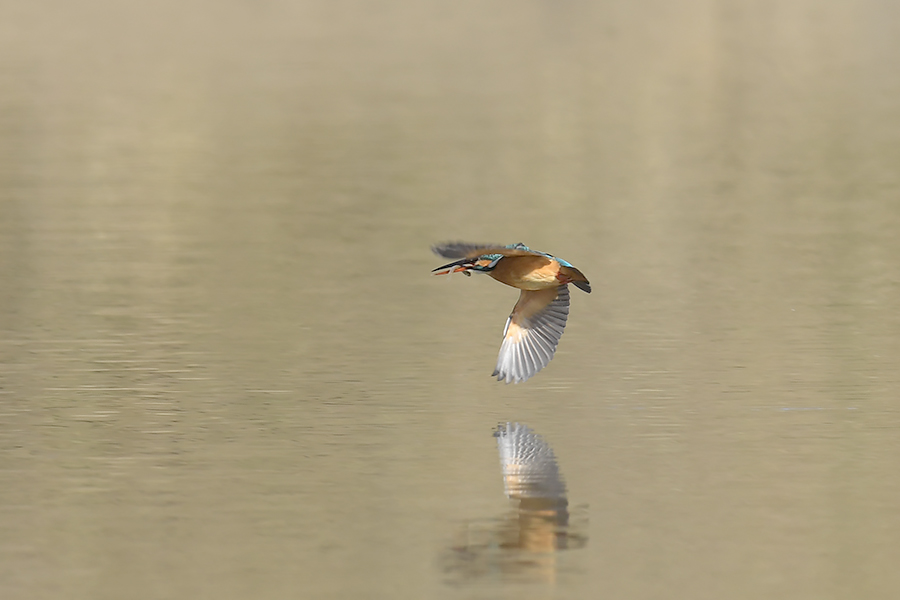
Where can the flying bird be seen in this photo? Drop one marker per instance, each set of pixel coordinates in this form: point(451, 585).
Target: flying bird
point(537, 320)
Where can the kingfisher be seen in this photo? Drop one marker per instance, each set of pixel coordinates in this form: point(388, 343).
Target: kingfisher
point(537, 320)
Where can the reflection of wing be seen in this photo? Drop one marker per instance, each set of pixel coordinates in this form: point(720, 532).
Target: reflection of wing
point(529, 465)
point(464, 250)
point(532, 333)
point(522, 544)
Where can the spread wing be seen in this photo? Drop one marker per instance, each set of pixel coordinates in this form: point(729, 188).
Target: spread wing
point(532, 333)
point(464, 250)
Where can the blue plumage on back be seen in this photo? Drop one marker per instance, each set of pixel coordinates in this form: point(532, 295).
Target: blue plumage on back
point(524, 248)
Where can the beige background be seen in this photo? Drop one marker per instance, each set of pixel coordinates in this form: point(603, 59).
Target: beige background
point(225, 371)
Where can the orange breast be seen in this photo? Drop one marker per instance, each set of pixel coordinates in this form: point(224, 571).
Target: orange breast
point(527, 272)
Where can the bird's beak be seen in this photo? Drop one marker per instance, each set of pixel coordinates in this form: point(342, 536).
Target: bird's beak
point(449, 271)
point(460, 266)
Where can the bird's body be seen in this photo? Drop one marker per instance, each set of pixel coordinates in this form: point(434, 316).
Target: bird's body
point(536, 323)
point(528, 272)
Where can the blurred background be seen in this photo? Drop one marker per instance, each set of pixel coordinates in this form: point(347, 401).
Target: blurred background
point(226, 372)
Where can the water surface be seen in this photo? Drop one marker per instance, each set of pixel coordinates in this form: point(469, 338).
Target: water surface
point(226, 372)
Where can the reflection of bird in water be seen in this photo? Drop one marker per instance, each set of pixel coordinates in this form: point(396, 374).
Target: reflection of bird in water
point(537, 321)
point(531, 477)
point(523, 543)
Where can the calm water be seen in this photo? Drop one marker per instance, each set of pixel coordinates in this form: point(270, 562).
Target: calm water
point(225, 371)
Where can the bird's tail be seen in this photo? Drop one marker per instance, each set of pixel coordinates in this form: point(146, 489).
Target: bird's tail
point(578, 278)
